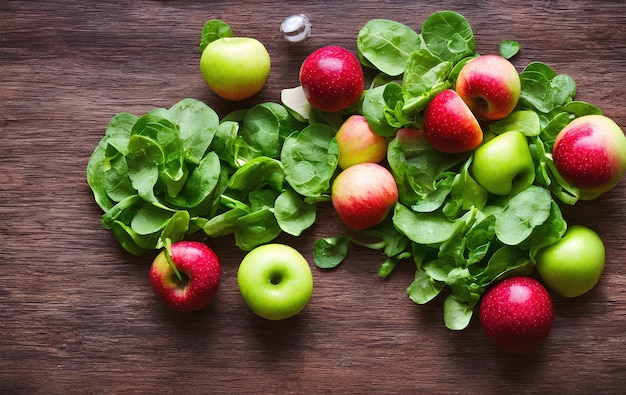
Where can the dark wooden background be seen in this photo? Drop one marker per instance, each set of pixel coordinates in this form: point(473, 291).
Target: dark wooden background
point(77, 314)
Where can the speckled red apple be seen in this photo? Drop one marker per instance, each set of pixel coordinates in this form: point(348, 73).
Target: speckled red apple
point(358, 143)
point(200, 270)
point(517, 314)
point(363, 195)
point(590, 154)
point(449, 124)
point(332, 78)
point(490, 86)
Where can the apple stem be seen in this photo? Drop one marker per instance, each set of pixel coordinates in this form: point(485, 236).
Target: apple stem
point(168, 257)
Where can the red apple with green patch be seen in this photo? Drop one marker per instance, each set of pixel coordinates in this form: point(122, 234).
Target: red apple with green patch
point(449, 124)
point(188, 279)
point(358, 143)
point(516, 314)
point(235, 68)
point(332, 78)
point(363, 195)
point(490, 86)
point(590, 154)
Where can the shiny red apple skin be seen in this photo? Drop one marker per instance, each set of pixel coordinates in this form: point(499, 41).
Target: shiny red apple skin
point(201, 268)
point(332, 78)
point(590, 154)
point(358, 143)
point(449, 124)
point(517, 314)
point(363, 195)
point(490, 86)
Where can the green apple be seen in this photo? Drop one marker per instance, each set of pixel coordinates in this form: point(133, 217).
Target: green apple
point(573, 265)
point(504, 164)
point(235, 68)
point(275, 281)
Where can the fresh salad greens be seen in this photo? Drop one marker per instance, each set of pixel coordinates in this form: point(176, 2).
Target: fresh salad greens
point(173, 172)
point(261, 171)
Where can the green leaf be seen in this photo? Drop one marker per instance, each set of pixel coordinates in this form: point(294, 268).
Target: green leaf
point(423, 228)
point(293, 214)
point(329, 252)
point(449, 36)
point(524, 121)
point(212, 30)
point(525, 211)
point(509, 48)
point(387, 45)
point(310, 158)
point(457, 314)
point(255, 229)
point(423, 289)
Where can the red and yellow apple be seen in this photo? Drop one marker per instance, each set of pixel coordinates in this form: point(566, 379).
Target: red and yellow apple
point(332, 78)
point(363, 195)
point(358, 143)
point(590, 154)
point(490, 86)
point(235, 68)
point(449, 124)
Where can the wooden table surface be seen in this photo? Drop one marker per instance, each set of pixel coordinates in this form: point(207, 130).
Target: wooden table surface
point(77, 313)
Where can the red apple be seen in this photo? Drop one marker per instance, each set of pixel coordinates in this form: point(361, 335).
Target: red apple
point(516, 314)
point(199, 268)
point(490, 85)
point(358, 143)
point(590, 154)
point(332, 78)
point(363, 195)
point(449, 124)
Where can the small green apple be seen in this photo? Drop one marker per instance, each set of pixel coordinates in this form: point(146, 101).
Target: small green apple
point(275, 281)
point(504, 164)
point(235, 68)
point(573, 265)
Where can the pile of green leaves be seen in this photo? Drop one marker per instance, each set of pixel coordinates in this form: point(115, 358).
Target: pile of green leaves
point(172, 172)
point(461, 238)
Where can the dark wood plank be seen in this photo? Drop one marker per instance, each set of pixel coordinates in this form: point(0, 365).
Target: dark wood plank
point(77, 314)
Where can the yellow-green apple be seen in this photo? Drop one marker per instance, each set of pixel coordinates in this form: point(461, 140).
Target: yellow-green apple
point(449, 124)
point(490, 85)
point(275, 281)
point(504, 165)
point(363, 195)
point(332, 78)
point(573, 265)
point(199, 269)
point(358, 143)
point(235, 68)
point(517, 313)
point(590, 154)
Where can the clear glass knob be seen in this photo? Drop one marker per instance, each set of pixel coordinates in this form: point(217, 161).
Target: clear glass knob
point(296, 28)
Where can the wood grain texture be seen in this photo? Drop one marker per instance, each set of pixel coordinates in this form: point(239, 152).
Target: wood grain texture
point(77, 314)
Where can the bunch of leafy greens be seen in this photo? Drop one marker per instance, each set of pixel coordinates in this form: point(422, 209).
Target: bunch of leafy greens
point(461, 238)
point(173, 172)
